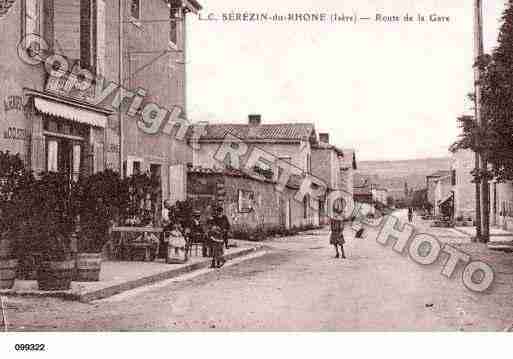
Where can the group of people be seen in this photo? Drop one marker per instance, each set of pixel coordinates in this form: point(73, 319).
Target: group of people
point(212, 235)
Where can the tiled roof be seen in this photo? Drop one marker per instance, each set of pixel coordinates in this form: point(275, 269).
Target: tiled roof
point(362, 191)
point(293, 183)
point(210, 171)
point(440, 174)
point(327, 146)
point(254, 133)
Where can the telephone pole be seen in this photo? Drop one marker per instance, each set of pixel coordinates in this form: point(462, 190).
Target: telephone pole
point(120, 82)
point(482, 191)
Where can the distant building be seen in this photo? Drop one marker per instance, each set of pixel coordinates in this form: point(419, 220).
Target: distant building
point(293, 144)
point(248, 202)
point(335, 167)
point(463, 163)
point(501, 194)
point(380, 195)
point(438, 186)
point(290, 144)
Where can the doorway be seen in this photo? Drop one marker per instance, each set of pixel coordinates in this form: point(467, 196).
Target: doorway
point(64, 155)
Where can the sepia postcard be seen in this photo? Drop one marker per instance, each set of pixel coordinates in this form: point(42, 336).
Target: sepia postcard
point(222, 166)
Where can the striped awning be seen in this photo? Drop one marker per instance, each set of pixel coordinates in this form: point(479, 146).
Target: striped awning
point(69, 112)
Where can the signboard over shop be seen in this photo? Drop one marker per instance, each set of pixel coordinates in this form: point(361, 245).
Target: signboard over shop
point(13, 103)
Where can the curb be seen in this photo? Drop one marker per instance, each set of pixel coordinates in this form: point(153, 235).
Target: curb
point(106, 292)
point(462, 232)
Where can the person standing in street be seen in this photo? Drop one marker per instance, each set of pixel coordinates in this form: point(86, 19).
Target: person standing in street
point(221, 221)
point(337, 231)
point(216, 243)
point(410, 214)
point(197, 233)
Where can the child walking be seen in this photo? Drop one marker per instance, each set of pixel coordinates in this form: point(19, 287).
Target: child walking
point(337, 231)
point(216, 241)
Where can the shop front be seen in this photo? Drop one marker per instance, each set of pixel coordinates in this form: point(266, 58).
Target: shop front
point(66, 136)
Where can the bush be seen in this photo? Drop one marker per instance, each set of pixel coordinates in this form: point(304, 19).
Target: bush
point(99, 200)
point(15, 181)
point(53, 208)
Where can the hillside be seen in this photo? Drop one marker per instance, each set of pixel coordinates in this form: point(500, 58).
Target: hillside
point(392, 175)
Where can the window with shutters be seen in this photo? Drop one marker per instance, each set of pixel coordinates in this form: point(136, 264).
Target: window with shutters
point(32, 17)
point(32, 25)
point(100, 37)
point(133, 166)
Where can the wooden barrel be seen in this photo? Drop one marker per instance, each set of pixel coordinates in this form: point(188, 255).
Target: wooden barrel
point(8, 268)
point(88, 266)
point(55, 275)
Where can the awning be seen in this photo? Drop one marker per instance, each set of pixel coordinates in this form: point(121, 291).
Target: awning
point(71, 113)
point(446, 200)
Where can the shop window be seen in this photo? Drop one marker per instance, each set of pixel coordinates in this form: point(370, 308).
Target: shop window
point(305, 206)
point(135, 9)
point(133, 166)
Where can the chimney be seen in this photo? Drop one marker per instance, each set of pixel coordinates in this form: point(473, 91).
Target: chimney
point(324, 138)
point(254, 120)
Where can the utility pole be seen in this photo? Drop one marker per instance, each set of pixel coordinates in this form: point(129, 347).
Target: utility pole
point(120, 82)
point(482, 191)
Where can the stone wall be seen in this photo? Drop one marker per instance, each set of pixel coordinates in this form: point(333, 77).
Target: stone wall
point(269, 208)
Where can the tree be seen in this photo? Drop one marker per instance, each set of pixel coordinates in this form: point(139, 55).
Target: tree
point(419, 198)
point(495, 136)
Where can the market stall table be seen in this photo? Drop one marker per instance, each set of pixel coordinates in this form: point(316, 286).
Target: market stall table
point(136, 242)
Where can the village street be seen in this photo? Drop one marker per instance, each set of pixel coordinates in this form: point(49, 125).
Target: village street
point(297, 285)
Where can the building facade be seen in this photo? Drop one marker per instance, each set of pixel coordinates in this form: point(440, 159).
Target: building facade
point(64, 85)
point(444, 196)
point(463, 163)
point(436, 184)
point(248, 202)
point(380, 195)
point(272, 146)
point(334, 166)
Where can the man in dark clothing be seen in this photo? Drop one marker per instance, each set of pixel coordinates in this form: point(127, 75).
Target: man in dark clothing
point(197, 233)
point(215, 241)
point(221, 221)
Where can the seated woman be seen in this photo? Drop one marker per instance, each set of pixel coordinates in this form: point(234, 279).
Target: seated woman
point(176, 245)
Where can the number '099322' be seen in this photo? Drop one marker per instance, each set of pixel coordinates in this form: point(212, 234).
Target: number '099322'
point(30, 347)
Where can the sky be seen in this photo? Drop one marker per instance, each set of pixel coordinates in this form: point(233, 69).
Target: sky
point(390, 90)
